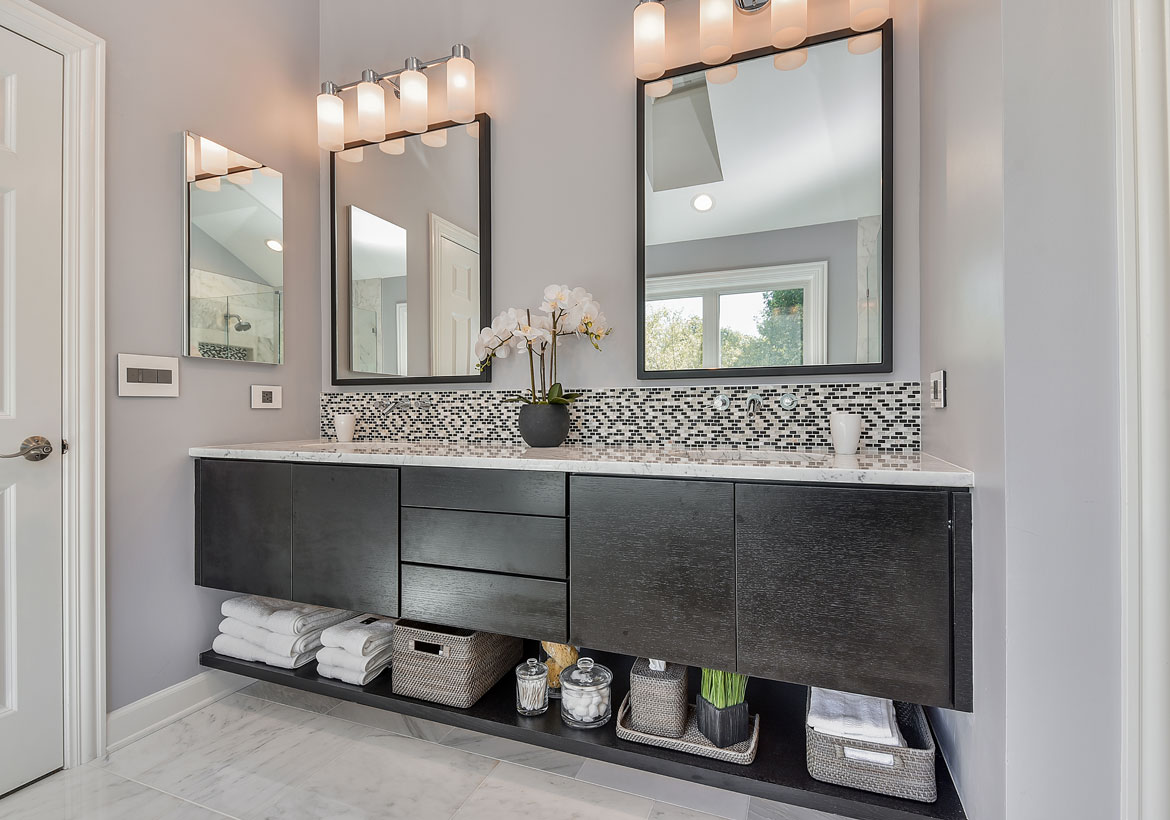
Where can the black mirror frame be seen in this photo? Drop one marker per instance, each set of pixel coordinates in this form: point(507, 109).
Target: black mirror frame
point(485, 256)
point(886, 365)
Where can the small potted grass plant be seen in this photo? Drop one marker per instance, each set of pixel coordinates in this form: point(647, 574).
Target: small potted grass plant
point(721, 710)
point(544, 417)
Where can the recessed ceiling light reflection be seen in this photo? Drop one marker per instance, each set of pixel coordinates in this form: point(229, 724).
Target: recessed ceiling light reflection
point(703, 203)
point(274, 245)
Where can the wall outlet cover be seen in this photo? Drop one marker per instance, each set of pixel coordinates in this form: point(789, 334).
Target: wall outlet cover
point(938, 389)
point(148, 376)
point(266, 397)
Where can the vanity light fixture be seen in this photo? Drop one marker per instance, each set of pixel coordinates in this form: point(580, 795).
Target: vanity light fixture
point(213, 157)
point(392, 147)
point(791, 60)
point(703, 203)
point(352, 154)
point(789, 22)
point(865, 15)
point(649, 39)
point(410, 85)
point(716, 21)
point(659, 88)
point(274, 245)
point(865, 43)
point(241, 177)
point(722, 74)
point(435, 139)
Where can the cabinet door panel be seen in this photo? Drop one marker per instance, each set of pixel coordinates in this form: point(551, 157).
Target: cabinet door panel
point(345, 537)
point(243, 518)
point(652, 568)
point(846, 589)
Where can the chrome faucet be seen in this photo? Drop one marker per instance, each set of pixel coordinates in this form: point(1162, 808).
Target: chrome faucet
point(402, 403)
point(754, 404)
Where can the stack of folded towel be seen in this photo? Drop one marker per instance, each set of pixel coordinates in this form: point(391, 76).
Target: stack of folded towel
point(357, 650)
point(854, 717)
point(274, 632)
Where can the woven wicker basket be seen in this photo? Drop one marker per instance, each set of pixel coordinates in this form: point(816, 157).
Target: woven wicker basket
point(658, 700)
point(454, 667)
point(871, 767)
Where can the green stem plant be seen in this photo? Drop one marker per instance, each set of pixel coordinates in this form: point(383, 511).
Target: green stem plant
point(723, 689)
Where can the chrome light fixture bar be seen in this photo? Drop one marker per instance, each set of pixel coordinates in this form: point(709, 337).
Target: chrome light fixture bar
point(409, 85)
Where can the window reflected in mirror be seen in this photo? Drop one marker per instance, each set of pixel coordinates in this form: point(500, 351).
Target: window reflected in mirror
point(764, 214)
point(235, 255)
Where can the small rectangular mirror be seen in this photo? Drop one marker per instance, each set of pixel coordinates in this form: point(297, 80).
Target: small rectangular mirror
point(234, 272)
point(412, 268)
point(764, 213)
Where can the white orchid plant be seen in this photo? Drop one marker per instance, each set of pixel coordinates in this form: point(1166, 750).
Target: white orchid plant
point(566, 312)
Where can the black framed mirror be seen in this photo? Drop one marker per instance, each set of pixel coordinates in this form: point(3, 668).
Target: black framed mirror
point(411, 255)
point(765, 213)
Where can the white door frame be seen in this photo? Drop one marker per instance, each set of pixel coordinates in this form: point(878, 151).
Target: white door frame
point(83, 369)
point(1143, 197)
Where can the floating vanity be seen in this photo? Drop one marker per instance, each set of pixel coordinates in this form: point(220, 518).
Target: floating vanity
point(799, 569)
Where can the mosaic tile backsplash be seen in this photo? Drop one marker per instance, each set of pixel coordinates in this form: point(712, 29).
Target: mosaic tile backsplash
point(663, 416)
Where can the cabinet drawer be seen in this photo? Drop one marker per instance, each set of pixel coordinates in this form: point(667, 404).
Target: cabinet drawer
point(526, 492)
point(523, 607)
point(517, 544)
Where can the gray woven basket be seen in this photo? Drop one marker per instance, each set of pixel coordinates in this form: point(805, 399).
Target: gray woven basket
point(891, 770)
point(455, 667)
point(658, 700)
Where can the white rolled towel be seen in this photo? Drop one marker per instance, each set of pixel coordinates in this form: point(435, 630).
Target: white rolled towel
point(363, 635)
point(282, 617)
point(332, 656)
point(349, 675)
point(235, 647)
point(280, 644)
point(854, 717)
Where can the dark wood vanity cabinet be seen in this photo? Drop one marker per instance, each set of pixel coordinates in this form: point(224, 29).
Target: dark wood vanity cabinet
point(652, 563)
point(315, 533)
point(846, 588)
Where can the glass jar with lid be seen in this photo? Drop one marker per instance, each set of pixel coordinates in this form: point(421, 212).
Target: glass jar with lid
point(532, 687)
point(586, 694)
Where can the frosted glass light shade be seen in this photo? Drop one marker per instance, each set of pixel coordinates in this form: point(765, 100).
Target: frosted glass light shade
point(413, 110)
point(330, 122)
point(461, 89)
point(722, 74)
point(210, 184)
point(371, 112)
point(649, 40)
point(865, 43)
point(192, 168)
point(435, 139)
point(789, 22)
point(241, 177)
point(868, 14)
point(353, 154)
point(473, 130)
point(660, 88)
point(791, 60)
point(213, 157)
point(392, 147)
point(716, 18)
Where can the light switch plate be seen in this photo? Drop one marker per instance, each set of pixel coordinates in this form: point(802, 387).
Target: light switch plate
point(266, 397)
point(140, 375)
point(938, 389)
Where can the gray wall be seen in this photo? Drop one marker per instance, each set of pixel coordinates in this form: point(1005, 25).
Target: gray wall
point(564, 148)
point(1019, 305)
point(248, 84)
point(835, 242)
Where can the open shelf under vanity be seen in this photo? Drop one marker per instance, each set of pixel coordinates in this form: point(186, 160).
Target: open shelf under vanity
point(778, 773)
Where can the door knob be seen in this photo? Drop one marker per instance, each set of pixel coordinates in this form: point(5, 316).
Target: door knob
point(33, 448)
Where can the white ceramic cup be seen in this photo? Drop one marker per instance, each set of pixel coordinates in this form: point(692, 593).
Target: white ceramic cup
point(846, 431)
point(344, 424)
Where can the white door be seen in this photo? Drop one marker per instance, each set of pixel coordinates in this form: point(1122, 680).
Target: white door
point(454, 299)
point(31, 643)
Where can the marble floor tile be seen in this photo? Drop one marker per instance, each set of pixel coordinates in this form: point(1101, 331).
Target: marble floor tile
point(664, 789)
point(512, 792)
point(383, 775)
point(513, 751)
point(89, 793)
point(761, 809)
point(391, 721)
point(235, 755)
point(665, 811)
point(309, 701)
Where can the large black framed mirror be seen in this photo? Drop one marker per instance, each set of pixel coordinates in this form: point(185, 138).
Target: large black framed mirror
point(765, 209)
point(411, 255)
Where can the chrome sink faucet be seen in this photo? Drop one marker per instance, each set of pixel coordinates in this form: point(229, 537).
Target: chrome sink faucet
point(402, 403)
point(755, 403)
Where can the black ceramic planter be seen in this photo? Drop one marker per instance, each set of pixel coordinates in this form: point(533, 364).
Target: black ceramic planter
point(723, 727)
point(544, 425)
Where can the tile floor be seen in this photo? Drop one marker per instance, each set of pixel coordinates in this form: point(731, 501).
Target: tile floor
point(272, 753)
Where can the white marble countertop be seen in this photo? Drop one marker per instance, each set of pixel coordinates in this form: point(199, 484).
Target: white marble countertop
point(906, 469)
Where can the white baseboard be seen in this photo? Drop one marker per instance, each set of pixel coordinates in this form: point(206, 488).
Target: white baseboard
point(138, 719)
